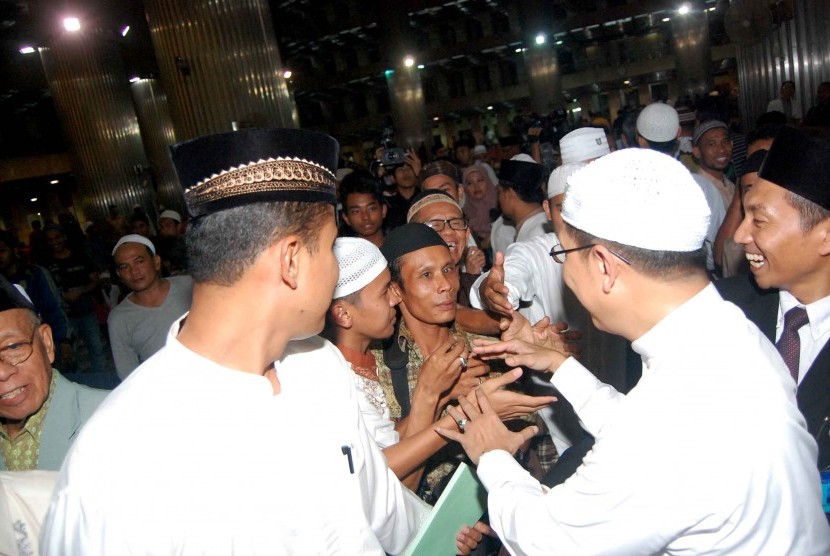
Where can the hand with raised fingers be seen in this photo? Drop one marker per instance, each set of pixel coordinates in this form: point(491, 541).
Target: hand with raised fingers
point(493, 291)
point(482, 430)
point(517, 353)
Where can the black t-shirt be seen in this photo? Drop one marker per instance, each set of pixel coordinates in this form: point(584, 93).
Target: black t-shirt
point(70, 274)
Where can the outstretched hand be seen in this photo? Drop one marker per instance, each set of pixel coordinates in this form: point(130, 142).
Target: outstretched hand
point(554, 336)
point(484, 430)
point(493, 291)
point(517, 353)
point(506, 403)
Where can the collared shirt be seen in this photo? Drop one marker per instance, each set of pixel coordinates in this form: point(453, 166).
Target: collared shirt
point(219, 464)
point(724, 186)
point(23, 451)
point(701, 457)
point(813, 336)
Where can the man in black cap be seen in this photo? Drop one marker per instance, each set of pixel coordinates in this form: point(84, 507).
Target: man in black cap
point(786, 236)
point(219, 444)
point(40, 410)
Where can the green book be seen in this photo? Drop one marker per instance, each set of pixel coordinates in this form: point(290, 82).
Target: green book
point(463, 502)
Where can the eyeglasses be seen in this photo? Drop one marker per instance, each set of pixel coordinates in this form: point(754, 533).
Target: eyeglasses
point(18, 352)
point(454, 223)
point(560, 254)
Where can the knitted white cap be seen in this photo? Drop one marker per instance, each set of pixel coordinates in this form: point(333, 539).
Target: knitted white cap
point(360, 262)
point(583, 144)
point(559, 177)
point(638, 197)
point(172, 215)
point(479, 150)
point(658, 122)
point(134, 238)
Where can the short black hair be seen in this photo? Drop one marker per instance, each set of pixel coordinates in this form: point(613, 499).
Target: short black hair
point(221, 246)
point(665, 147)
point(360, 181)
point(526, 192)
point(810, 214)
point(666, 265)
point(764, 132)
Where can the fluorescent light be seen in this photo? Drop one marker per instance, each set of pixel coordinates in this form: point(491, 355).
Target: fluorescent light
point(287, 74)
point(490, 107)
point(72, 24)
point(421, 66)
point(684, 9)
point(27, 50)
point(665, 19)
point(54, 182)
point(135, 79)
point(33, 199)
point(518, 50)
point(540, 38)
point(559, 43)
point(125, 30)
point(435, 118)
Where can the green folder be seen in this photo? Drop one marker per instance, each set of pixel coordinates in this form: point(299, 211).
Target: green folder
point(463, 502)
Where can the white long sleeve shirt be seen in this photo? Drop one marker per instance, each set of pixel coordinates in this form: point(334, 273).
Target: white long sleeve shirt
point(708, 454)
point(189, 457)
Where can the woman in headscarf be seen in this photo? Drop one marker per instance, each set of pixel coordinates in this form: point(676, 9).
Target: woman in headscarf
point(481, 199)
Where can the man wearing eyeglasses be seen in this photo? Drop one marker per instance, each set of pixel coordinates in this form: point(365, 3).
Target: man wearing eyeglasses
point(708, 454)
point(40, 410)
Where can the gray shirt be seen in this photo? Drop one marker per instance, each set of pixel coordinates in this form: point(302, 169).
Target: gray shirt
point(137, 332)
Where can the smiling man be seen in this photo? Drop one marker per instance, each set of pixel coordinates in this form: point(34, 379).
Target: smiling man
point(786, 236)
point(40, 411)
point(712, 147)
point(363, 206)
point(138, 325)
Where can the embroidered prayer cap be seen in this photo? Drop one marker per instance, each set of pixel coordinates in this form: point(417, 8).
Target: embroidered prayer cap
point(583, 144)
point(522, 157)
point(218, 172)
point(360, 262)
point(134, 238)
point(753, 162)
point(559, 177)
point(408, 238)
point(638, 197)
point(658, 122)
point(479, 150)
point(799, 163)
point(707, 126)
point(425, 198)
point(172, 215)
point(13, 296)
point(439, 167)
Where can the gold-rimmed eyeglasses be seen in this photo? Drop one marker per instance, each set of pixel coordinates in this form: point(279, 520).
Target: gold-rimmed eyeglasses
point(18, 352)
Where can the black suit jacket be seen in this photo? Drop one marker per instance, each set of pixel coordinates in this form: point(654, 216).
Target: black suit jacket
point(813, 396)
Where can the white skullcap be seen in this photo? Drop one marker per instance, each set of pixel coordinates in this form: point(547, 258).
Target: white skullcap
point(172, 215)
point(583, 144)
point(559, 177)
point(134, 238)
point(522, 157)
point(360, 262)
point(479, 150)
point(658, 122)
point(638, 197)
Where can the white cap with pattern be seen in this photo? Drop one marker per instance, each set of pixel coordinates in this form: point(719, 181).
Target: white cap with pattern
point(638, 197)
point(583, 144)
point(559, 177)
point(360, 262)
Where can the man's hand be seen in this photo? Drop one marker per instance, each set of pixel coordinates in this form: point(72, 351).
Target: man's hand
point(554, 336)
point(414, 162)
point(517, 353)
point(474, 260)
point(484, 430)
point(441, 368)
point(492, 290)
point(506, 403)
point(468, 537)
point(473, 377)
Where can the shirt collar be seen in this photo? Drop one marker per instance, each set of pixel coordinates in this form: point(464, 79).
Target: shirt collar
point(818, 312)
point(664, 337)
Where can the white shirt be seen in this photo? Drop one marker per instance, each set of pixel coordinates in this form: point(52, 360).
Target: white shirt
point(708, 454)
point(533, 279)
point(501, 235)
point(533, 226)
point(777, 105)
point(717, 210)
point(375, 410)
point(190, 457)
point(813, 336)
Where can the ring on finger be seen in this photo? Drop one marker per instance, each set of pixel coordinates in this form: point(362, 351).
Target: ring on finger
point(463, 361)
point(461, 423)
point(480, 381)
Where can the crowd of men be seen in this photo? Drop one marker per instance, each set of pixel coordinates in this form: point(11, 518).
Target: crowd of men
point(630, 349)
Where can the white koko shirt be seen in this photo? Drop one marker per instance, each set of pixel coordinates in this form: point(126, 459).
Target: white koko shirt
point(708, 454)
point(189, 457)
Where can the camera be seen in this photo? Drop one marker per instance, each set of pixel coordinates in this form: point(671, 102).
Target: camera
point(392, 156)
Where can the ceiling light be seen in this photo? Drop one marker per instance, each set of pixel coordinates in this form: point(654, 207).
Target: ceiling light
point(72, 24)
point(54, 182)
point(27, 50)
point(540, 38)
point(626, 82)
point(435, 118)
point(684, 9)
point(666, 19)
point(518, 50)
point(559, 43)
point(712, 9)
point(135, 79)
point(33, 199)
point(287, 74)
point(125, 30)
point(421, 66)
point(490, 107)
point(409, 61)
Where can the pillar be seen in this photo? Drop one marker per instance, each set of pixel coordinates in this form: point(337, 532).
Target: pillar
point(693, 59)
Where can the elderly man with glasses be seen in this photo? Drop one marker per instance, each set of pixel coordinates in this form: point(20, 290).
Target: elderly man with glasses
point(41, 412)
